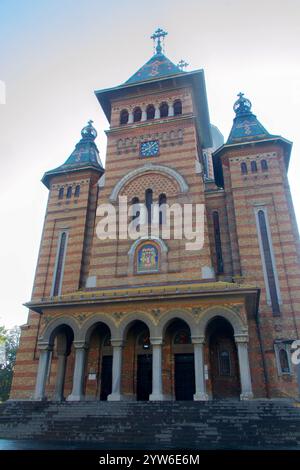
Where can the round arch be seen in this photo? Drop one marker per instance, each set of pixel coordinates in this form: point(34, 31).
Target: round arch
point(52, 327)
point(127, 322)
point(149, 167)
point(91, 323)
point(172, 315)
point(238, 325)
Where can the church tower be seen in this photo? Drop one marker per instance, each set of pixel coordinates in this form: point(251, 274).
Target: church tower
point(210, 311)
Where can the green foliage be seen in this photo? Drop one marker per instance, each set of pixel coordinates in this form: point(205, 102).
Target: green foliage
point(9, 341)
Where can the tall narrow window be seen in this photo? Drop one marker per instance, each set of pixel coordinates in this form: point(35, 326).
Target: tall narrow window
point(284, 361)
point(264, 165)
point(77, 191)
point(61, 193)
point(268, 262)
point(162, 201)
point(150, 112)
point(164, 110)
point(177, 108)
point(124, 117)
point(253, 166)
point(134, 201)
point(69, 192)
point(224, 362)
point(218, 245)
point(137, 115)
point(244, 169)
point(149, 199)
point(59, 265)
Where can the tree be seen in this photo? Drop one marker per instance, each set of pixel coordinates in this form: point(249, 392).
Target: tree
point(9, 342)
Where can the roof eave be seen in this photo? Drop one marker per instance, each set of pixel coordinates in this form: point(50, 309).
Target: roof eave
point(52, 173)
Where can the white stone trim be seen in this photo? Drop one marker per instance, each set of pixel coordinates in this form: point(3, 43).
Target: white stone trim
point(148, 167)
point(56, 262)
point(263, 208)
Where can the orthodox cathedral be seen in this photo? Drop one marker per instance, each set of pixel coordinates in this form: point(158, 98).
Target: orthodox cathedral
point(146, 319)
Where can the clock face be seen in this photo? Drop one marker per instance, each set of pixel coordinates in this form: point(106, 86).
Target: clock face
point(150, 148)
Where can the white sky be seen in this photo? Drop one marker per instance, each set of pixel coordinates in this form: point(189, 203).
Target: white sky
point(54, 54)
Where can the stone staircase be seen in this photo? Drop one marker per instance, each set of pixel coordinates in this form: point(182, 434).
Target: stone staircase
point(257, 424)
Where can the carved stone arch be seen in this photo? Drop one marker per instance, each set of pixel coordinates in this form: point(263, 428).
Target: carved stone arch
point(50, 331)
point(235, 320)
point(129, 320)
point(174, 314)
point(149, 167)
point(88, 325)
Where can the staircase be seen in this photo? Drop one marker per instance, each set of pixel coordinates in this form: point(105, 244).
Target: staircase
point(257, 424)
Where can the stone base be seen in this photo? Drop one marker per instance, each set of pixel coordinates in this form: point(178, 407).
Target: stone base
point(201, 397)
point(75, 398)
point(120, 397)
point(246, 396)
point(160, 397)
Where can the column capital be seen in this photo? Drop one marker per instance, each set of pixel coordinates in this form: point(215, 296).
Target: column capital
point(80, 345)
point(156, 341)
point(198, 339)
point(44, 346)
point(241, 338)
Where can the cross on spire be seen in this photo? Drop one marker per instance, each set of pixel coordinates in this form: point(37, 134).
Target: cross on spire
point(156, 36)
point(182, 64)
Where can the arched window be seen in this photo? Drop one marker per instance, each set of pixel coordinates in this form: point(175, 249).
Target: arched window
point(183, 337)
point(77, 191)
point(162, 201)
point(134, 201)
point(284, 361)
point(150, 112)
point(164, 109)
point(253, 166)
point(60, 257)
point(267, 259)
point(218, 245)
point(244, 169)
point(177, 108)
point(61, 193)
point(264, 165)
point(148, 200)
point(124, 117)
point(69, 192)
point(224, 362)
point(137, 114)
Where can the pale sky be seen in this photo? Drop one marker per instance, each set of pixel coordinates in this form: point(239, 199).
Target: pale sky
point(54, 54)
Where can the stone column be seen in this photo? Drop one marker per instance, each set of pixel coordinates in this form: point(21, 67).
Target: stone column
point(43, 367)
point(157, 112)
point(144, 114)
point(60, 377)
point(130, 117)
point(171, 110)
point(157, 388)
point(245, 376)
point(79, 369)
point(200, 392)
point(116, 371)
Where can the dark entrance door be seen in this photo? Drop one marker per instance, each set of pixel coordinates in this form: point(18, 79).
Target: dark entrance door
point(106, 377)
point(184, 376)
point(224, 367)
point(144, 377)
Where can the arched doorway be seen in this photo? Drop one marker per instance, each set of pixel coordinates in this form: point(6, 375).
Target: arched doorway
point(60, 367)
point(223, 359)
point(98, 376)
point(178, 336)
point(137, 362)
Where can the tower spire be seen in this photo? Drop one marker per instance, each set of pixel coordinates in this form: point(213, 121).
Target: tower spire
point(158, 44)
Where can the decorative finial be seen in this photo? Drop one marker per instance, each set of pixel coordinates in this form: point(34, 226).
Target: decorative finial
point(182, 64)
point(89, 131)
point(156, 36)
point(242, 105)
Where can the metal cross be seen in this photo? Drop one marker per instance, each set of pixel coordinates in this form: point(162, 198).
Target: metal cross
point(182, 64)
point(157, 35)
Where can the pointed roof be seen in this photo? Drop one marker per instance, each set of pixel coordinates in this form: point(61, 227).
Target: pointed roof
point(158, 66)
point(246, 127)
point(84, 156)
